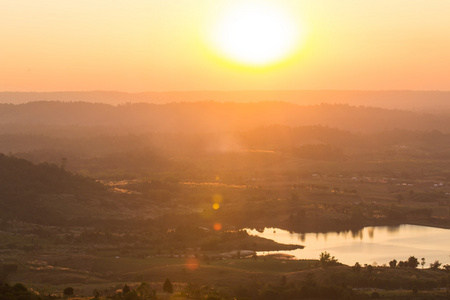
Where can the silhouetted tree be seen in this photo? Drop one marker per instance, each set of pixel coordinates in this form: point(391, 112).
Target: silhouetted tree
point(357, 267)
point(19, 292)
point(132, 295)
point(96, 294)
point(145, 292)
point(422, 262)
point(125, 289)
point(327, 260)
point(393, 263)
point(435, 265)
point(68, 291)
point(413, 262)
point(167, 287)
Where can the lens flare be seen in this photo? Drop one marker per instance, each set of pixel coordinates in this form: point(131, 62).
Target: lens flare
point(217, 226)
point(192, 264)
point(217, 199)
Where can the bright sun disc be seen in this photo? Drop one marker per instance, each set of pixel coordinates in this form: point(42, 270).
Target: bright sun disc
point(255, 33)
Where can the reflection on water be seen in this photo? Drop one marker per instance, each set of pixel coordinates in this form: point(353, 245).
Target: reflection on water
point(371, 232)
point(393, 228)
point(378, 244)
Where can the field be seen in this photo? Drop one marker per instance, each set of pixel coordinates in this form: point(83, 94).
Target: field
point(105, 206)
point(99, 272)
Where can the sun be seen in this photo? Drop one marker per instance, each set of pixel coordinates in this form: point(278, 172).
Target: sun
point(255, 33)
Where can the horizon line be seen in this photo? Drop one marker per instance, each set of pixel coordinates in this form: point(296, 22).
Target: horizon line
point(229, 91)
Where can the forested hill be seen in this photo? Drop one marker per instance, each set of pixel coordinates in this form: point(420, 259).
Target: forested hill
point(21, 177)
point(28, 190)
point(431, 101)
point(210, 117)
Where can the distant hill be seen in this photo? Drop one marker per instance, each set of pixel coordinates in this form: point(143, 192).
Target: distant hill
point(43, 193)
point(200, 117)
point(19, 176)
point(430, 101)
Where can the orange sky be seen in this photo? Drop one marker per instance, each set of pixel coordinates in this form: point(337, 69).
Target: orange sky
point(160, 45)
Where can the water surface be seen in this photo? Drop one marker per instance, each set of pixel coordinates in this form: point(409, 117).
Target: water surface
point(378, 244)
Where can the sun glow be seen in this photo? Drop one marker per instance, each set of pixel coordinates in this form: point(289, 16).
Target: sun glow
point(256, 33)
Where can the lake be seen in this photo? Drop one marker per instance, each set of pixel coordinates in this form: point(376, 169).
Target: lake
point(379, 244)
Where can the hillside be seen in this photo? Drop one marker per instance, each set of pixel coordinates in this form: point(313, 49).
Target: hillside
point(48, 194)
point(42, 117)
point(431, 101)
point(21, 177)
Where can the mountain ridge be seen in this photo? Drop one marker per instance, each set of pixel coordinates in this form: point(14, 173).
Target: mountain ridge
point(432, 101)
point(212, 117)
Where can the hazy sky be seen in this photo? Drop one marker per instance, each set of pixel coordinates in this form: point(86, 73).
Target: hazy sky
point(161, 45)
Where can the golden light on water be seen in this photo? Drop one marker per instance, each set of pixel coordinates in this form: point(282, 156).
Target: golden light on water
point(216, 206)
point(256, 33)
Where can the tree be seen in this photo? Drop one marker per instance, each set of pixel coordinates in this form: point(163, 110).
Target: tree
point(357, 267)
point(132, 295)
point(327, 260)
point(20, 288)
point(413, 262)
point(422, 262)
point(435, 265)
point(126, 289)
point(167, 287)
point(393, 263)
point(96, 294)
point(68, 291)
point(145, 292)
